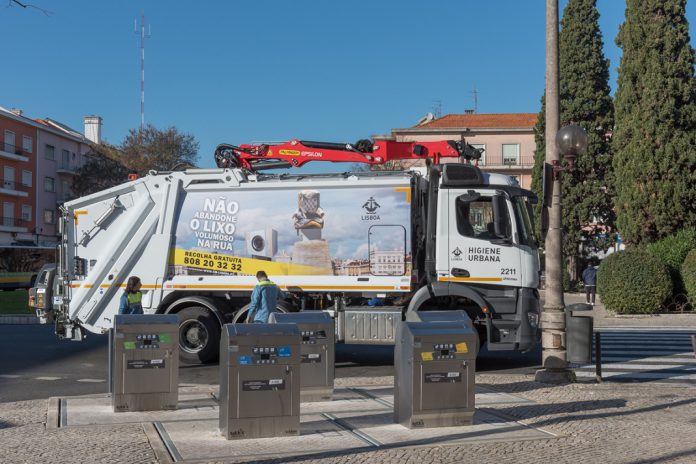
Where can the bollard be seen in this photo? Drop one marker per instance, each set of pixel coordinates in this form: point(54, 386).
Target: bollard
point(598, 357)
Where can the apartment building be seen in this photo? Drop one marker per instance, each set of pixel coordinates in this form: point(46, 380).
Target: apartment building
point(38, 160)
point(507, 140)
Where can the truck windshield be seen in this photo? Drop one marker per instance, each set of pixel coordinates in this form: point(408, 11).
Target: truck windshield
point(525, 223)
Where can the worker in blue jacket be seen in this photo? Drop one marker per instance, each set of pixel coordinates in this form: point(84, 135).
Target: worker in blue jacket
point(264, 299)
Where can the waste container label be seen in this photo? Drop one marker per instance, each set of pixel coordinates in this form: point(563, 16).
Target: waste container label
point(145, 364)
point(284, 351)
point(427, 356)
point(442, 377)
point(462, 348)
point(311, 358)
point(259, 385)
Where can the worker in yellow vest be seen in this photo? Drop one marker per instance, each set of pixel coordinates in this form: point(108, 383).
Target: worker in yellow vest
point(131, 300)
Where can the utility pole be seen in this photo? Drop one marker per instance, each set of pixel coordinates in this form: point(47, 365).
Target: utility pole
point(143, 36)
point(555, 367)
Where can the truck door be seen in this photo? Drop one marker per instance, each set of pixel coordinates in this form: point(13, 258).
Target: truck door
point(481, 246)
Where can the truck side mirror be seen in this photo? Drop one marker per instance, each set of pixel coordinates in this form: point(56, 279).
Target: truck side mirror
point(500, 216)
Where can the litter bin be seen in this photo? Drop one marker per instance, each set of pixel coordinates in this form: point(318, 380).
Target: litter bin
point(145, 368)
point(579, 326)
point(259, 381)
point(316, 352)
point(434, 366)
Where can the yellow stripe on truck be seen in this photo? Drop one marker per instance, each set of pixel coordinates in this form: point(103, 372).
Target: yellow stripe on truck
point(470, 279)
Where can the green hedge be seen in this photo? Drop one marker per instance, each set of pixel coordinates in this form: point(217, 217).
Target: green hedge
point(633, 281)
point(688, 272)
point(672, 251)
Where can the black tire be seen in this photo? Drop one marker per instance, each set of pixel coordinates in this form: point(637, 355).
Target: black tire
point(199, 335)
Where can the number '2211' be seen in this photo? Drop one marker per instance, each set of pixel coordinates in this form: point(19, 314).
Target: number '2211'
point(508, 271)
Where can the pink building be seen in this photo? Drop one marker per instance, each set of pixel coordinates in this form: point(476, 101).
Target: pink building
point(507, 140)
point(60, 153)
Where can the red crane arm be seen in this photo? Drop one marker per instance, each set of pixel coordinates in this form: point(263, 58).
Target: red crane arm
point(296, 153)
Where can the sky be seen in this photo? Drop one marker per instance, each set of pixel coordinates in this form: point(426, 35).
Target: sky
point(243, 71)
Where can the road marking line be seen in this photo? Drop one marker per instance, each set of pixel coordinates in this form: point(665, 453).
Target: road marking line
point(91, 380)
point(8, 376)
point(47, 378)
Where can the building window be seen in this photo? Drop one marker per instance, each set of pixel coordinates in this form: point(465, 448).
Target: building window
point(49, 216)
point(50, 152)
point(8, 173)
point(8, 214)
point(511, 154)
point(26, 213)
point(10, 142)
point(482, 148)
point(26, 143)
point(26, 178)
point(66, 159)
point(49, 184)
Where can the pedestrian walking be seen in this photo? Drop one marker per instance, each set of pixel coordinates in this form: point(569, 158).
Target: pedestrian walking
point(589, 279)
point(264, 299)
point(131, 300)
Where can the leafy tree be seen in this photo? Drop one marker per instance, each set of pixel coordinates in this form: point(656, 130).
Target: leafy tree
point(161, 150)
point(585, 101)
point(655, 137)
point(102, 170)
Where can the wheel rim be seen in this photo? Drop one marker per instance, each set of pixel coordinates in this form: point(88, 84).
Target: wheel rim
point(193, 336)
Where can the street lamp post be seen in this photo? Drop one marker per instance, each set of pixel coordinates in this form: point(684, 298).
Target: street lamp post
point(554, 364)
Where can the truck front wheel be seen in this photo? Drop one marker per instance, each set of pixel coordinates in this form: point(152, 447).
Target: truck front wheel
point(199, 335)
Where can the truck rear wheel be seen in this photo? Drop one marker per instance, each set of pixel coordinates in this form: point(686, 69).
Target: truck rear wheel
point(199, 335)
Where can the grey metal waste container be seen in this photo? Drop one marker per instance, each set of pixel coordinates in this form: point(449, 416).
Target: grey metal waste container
point(259, 381)
point(434, 371)
point(316, 352)
point(145, 366)
point(579, 326)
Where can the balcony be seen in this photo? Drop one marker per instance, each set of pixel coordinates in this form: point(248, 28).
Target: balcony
point(10, 224)
point(12, 188)
point(12, 152)
point(500, 162)
point(67, 170)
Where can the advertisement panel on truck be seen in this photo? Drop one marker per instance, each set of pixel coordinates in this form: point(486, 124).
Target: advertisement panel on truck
point(294, 232)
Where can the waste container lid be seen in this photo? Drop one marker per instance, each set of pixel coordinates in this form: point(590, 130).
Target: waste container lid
point(303, 317)
point(580, 308)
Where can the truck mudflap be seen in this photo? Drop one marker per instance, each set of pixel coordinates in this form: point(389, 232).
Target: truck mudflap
point(520, 333)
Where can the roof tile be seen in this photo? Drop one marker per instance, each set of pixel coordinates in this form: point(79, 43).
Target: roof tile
point(491, 121)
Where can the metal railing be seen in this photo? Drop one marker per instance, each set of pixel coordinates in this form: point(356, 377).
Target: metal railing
point(13, 222)
point(14, 149)
point(499, 160)
point(14, 185)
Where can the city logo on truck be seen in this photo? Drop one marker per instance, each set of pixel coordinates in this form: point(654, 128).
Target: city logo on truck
point(371, 206)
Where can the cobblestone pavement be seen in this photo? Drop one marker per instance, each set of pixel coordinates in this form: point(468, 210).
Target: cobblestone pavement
point(596, 423)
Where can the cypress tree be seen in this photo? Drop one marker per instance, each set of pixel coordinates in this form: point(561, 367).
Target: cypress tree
point(585, 101)
point(655, 136)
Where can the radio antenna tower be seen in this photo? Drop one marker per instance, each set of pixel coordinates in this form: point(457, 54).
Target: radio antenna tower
point(474, 94)
point(437, 108)
point(143, 36)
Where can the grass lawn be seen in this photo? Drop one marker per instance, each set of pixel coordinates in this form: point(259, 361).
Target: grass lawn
point(14, 302)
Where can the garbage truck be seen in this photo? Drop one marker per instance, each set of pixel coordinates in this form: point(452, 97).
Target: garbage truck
point(365, 246)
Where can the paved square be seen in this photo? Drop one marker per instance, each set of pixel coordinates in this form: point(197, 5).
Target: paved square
point(358, 419)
